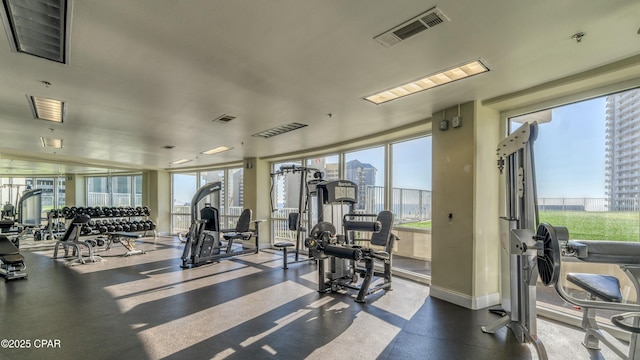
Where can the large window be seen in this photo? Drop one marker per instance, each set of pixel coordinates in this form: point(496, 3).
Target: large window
point(588, 166)
point(185, 185)
point(411, 183)
point(409, 196)
point(587, 163)
point(120, 190)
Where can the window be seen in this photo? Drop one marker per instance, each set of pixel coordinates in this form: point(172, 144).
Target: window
point(410, 200)
point(586, 166)
point(366, 169)
point(98, 191)
point(411, 183)
point(285, 195)
point(121, 191)
point(234, 195)
point(114, 191)
point(586, 162)
point(137, 191)
point(185, 185)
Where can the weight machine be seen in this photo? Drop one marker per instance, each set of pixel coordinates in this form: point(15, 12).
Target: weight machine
point(203, 243)
point(603, 291)
point(309, 177)
point(347, 257)
point(515, 160)
point(28, 216)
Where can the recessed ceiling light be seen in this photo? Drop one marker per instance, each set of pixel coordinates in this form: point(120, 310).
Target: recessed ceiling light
point(216, 150)
point(51, 142)
point(279, 130)
point(38, 27)
point(47, 109)
point(181, 161)
point(463, 71)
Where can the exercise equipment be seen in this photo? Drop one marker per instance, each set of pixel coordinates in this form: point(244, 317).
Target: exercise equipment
point(71, 240)
point(11, 262)
point(519, 265)
point(348, 261)
point(296, 221)
point(603, 291)
point(203, 241)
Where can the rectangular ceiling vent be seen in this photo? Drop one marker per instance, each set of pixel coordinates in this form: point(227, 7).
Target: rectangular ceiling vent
point(38, 27)
point(278, 130)
point(224, 118)
point(418, 24)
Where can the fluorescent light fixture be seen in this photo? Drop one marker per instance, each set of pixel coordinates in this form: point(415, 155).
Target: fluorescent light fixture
point(47, 109)
point(279, 130)
point(51, 142)
point(216, 150)
point(181, 161)
point(38, 27)
point(463, 71)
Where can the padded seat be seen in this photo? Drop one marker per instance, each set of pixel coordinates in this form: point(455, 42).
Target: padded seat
point(9, 253)
point(604, 287)
point(241, 231)
point(284, 245)
point(12, 259)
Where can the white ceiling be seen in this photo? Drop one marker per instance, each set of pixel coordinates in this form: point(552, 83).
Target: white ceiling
point(149, 73)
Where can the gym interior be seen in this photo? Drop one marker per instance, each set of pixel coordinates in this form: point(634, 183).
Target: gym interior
point(296, 180)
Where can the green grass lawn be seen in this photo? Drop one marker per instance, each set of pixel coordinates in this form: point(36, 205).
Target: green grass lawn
point(582, 225)
point(417, 224)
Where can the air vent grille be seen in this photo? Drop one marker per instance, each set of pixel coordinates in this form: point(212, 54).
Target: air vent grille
point(224, 118)
point(279, 130)
point(409, 28)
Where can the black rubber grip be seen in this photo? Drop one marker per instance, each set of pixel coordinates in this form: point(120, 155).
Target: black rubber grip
point(373, 226)
point(343, 252)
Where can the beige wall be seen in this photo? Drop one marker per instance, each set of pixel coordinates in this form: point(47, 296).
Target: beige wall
point(465, 236)
point(257, 196)
point(157, 196)
point(413, 244)
point(74, 190)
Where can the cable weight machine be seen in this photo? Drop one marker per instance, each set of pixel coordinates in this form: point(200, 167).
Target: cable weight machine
point(299, 221)
point(515, 160)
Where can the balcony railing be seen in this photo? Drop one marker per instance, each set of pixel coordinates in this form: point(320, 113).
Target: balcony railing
point(119, 199)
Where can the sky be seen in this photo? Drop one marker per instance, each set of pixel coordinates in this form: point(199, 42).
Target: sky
point(569, 151)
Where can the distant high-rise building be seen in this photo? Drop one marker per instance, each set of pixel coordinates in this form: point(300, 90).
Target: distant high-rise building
point(622, 150)
point(237, 197)
point(362, 174)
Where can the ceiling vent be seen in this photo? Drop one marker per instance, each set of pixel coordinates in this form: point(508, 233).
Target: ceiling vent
point(38, 27)
point(224, 118)
point(412, 27)
point(279, 130)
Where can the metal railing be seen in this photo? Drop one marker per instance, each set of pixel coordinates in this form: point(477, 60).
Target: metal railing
point(119, 199)
point(589, 204)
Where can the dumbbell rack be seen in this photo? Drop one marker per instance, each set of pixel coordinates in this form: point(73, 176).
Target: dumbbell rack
point(115, 218)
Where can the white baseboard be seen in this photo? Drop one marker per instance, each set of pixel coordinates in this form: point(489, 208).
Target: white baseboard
point(464, 300)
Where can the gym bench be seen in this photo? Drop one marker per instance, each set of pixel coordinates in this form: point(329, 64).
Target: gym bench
point(11, 262)
point(127, 239)
point(71, 239)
